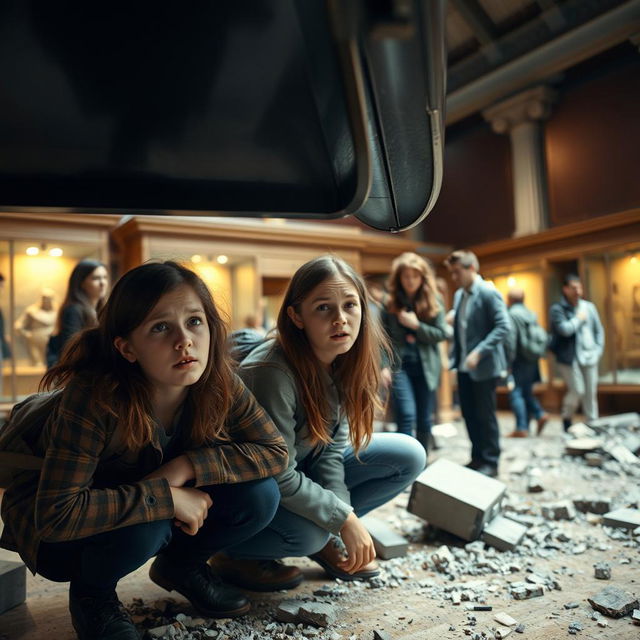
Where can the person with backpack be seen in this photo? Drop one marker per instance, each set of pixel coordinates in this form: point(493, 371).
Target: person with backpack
point(152, 447)
point(319, 379)
point(526, 343)
point(577, 341)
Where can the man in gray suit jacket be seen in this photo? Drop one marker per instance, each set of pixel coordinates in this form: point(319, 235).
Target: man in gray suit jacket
point(480, 326)
point(577, 340)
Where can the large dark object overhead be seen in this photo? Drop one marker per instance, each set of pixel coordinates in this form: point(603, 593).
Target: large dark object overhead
point(301, 109)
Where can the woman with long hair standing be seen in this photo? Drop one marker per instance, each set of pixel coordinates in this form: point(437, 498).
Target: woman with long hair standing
point(318, 380)
point(414, 320)
point(150, 433)
point(86, 295)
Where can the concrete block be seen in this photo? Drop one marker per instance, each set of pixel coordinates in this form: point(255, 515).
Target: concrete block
point(456, 499)
point(592, 505)
point(602, 570)
point(621, 454)
point(563, 510)
point(635, 616)
point(13, 584)
point(580, 446)
point(503, 533)
point(318, 614)
point(594, 459)
point(622, 518)
point(632, 442)
point(618, 421)
point(613, 602)
point(387, 542)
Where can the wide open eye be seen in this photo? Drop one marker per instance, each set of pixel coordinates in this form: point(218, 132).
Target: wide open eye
point(159, 327)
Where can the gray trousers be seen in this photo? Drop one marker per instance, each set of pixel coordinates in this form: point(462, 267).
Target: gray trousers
point(582, 386)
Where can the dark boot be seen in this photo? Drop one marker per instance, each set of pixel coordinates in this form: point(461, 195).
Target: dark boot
point(101, 618)
point(198, 584)
point(424, 439)
point(566, 423)
point(256, 575)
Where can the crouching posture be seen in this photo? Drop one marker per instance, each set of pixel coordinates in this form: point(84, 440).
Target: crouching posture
point(153, 446)
point(318, 380)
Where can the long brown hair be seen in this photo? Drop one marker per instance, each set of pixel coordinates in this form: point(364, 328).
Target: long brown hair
point(120, 387)
point(357, 372)
point(425, 302)
point(76, 296)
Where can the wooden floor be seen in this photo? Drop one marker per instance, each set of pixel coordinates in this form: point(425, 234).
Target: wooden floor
point(408, 612)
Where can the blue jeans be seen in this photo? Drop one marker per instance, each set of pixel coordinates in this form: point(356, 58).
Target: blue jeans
point(413, 401)
point(95, 565)
point(390, 463)
point(523, 403)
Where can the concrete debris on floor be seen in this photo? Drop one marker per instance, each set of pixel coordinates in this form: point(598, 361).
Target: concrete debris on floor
point(485, 564)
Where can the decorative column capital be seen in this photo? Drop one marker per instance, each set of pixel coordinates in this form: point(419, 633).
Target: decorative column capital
point(529, 106)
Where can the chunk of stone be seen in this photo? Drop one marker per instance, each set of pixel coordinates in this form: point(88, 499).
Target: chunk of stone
point(287, 611)
point(503, 533)
point(563, 510)
point(635, 616)
point(13, 584)
point(571, 605)
point(629, 420)
point(622, 518)
point(580, 446)
point(501, 632)
point(523, 591)
point(581, 430)
point(318, 614)
point(613, 602)
point(594, 459)
point(602, 570)
point(381, 635)
point(158, 632)
point(592, 505)
point(620, 453)
point(505, 619)
point(456, 499)
point(387, 542)
point(519, 628)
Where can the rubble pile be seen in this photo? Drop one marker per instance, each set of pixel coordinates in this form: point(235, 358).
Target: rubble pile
point(562, 501)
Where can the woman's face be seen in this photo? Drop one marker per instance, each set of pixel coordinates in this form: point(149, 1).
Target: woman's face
point(410, 280)
point(95, 284)
point(330, 316)
point(172, 343)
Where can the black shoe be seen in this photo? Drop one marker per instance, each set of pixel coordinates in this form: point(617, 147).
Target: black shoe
point(101, 618)
point(488, 470)
point(473, 464)
point(198, 584)
point(566, 423)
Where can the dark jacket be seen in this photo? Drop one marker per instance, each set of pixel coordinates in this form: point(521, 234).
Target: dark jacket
point(521, 368)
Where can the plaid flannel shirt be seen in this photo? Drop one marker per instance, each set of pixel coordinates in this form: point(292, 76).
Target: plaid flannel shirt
point(77, 494)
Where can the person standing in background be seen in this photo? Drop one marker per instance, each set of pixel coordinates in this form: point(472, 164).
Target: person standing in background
point(413, 317)
point(480, 326)
point(525, 369)
point(577, 340)
point(86, 295)
point(5, 349)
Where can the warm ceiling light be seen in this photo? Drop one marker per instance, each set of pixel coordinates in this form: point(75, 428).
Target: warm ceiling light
point(222, 259)
point(32, 251)
point(56, 252)
point(511, 281)
point(195, 258)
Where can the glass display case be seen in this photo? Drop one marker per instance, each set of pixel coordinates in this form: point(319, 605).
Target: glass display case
point(36, 274)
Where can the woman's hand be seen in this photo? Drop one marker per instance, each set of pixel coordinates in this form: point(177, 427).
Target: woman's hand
point(408, 319)
point(176, 472)
point(358, 543)
point(191, 508)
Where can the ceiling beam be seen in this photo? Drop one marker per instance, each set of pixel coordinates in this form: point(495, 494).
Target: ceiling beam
point(602, 33)
point(477, 19)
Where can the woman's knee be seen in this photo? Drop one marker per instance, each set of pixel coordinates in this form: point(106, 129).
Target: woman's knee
point(406, 454)
point(260, 498)
point(310, 540)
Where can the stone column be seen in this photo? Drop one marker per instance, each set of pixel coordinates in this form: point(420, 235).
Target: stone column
point(521, 116)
